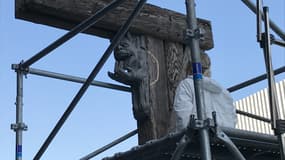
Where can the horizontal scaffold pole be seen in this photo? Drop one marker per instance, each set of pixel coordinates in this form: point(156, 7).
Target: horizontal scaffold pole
point(60, 76)
point(254, 80)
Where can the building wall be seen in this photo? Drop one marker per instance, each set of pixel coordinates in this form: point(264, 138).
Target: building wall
point(258, 104)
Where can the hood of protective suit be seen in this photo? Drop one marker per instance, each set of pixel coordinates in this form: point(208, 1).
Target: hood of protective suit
point(211, 86)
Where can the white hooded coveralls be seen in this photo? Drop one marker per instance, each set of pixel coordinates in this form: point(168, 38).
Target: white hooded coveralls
point(216, 99)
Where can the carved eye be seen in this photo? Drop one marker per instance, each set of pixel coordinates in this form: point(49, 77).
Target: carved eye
point(125, 45)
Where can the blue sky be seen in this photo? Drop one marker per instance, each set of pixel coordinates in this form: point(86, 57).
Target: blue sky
point(103, 114)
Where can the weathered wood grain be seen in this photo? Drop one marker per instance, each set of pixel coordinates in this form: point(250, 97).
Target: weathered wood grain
point(155, 21)
point(158, 88)
point(167, 65)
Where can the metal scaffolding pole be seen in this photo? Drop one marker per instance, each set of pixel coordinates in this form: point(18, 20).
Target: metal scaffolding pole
point(201, 124)
point(110, 145)
point(273, 26)
point(19, 126)
point(279, 42)
point(255, 80)
point(198, 77)
point(271, 81)
point(250, 82)
point(77, 79)
point(253, 116)
point(265, 43)
point(119, 35)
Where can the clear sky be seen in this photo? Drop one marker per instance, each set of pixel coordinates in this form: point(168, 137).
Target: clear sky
point(103, 114)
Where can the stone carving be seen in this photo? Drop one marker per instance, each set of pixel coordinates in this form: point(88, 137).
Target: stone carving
point(131, 68)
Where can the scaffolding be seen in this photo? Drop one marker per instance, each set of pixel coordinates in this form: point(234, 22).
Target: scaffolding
point(265, 39)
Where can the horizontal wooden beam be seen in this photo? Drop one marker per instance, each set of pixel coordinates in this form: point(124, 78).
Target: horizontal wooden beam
point(155, 21)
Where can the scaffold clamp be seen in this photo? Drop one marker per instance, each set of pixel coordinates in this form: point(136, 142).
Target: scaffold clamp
point(280, 126)
point(19, 127)
point(19, 67)
point(194, 33)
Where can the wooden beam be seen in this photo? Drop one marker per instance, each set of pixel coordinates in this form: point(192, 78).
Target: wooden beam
point(154, 21)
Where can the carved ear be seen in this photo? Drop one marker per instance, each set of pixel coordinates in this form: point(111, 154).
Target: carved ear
point(141, 42)
point(138, 41)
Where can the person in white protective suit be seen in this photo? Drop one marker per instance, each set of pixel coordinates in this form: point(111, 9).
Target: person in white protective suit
point(216, 98)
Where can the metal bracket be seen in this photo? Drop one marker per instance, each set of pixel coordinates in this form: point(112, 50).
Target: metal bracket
point(19, 67)
point(262, 42)
point(193, 125)
point(194, 33)
point(280, 126)
point(19, 127)
point(200, 124)
point(229, 144)
point(224, 138)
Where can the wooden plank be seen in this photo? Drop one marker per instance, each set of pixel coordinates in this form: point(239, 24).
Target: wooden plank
point(155, 21)
point(167, 64)
point(158, 86)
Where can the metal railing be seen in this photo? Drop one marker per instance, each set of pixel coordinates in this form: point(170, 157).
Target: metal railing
point(24, 68)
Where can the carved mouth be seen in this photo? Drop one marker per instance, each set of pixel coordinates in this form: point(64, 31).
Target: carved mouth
point(122, 55)
point(127, 69)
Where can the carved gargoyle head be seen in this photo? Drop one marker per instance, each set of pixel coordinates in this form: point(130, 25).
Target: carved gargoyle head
point(130, 67)
point(125, 48)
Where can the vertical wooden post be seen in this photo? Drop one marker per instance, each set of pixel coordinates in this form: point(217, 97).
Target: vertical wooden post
point(153, 93)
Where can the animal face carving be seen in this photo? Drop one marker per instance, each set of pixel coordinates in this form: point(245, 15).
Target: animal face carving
point(131, 69)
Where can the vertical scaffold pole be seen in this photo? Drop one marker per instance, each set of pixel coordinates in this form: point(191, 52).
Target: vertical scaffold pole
point(19, 126)
point(274, 113)
point(269, 68)
point(19, 115)
point(193, 41)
